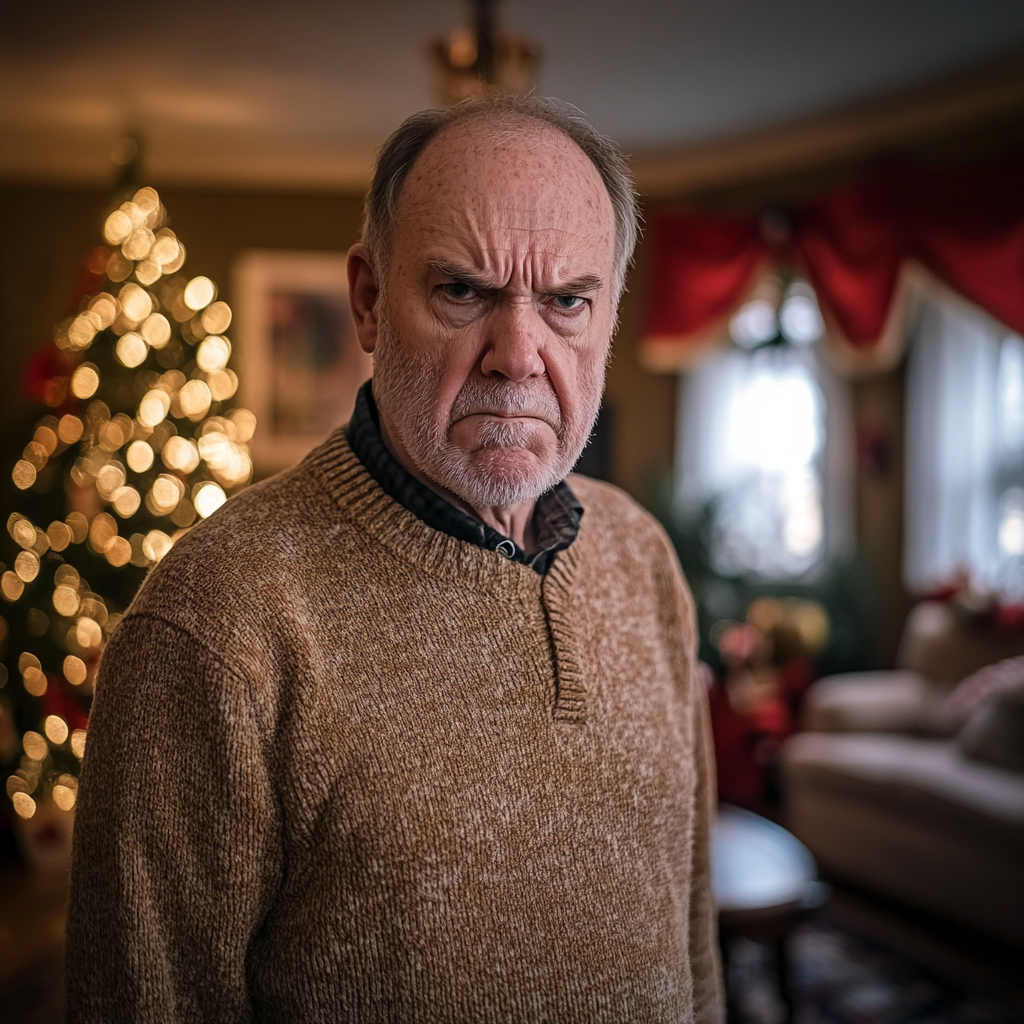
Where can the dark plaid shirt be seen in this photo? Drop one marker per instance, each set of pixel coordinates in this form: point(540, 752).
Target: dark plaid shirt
point(556, 518)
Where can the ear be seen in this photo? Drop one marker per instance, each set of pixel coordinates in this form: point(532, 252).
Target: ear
point(362, 296)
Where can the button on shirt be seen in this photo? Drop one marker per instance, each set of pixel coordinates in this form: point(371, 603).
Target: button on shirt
point(556, 517)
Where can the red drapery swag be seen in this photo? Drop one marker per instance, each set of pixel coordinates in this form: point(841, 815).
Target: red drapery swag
point(965, 225)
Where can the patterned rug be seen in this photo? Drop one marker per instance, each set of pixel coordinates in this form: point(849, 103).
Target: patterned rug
point(839, 977)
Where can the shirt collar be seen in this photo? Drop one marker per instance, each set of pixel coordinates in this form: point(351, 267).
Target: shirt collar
point(556, 517)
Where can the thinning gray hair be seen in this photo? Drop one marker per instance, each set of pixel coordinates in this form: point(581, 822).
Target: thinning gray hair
point(401, 150)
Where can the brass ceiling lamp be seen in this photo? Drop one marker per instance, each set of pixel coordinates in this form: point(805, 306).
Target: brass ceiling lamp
point(480, 58)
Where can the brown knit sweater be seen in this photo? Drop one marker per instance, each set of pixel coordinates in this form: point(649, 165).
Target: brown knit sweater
point(342, 767)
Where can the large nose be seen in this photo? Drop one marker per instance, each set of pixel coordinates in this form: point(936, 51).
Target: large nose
point(514, 336)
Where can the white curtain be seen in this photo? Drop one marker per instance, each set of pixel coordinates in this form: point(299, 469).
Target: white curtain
point(965, 450)
point(766, 436)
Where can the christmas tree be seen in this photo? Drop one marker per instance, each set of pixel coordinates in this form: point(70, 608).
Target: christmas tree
point(138, 443)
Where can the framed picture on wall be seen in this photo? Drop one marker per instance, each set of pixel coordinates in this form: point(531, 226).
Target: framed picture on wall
point(299, 362)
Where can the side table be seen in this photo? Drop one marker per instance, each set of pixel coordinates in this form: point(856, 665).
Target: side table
point(765, 881)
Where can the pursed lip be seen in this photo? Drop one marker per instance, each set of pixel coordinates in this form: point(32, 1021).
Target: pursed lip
point(505, 416)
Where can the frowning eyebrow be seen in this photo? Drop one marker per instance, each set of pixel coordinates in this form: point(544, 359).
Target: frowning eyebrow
point(576, 286)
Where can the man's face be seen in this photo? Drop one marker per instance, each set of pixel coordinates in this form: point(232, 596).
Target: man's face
point(496, 313)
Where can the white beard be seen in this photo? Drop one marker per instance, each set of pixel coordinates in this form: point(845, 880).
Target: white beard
point(405, 388)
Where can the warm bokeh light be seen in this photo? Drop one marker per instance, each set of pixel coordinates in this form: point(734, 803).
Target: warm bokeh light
point(22, 531)
point(88, 632)
point(11, 585)
point(118, 268)
point(109, 479)
point(82, 330)
point(213, 353)
point(136, 303)
point(59, 535)
point(119, 552)
point(165, 494)
point(228, 461)
point(65, 600)
point(126, 502)
point(84, 381)
point(155, 337)
point(199, 292)
point(148, 271)
point(78, 525)
point(166, 249)
point(223, 384)
point(34, 680)
point(105, 307)
point(75, 671)
point(35, 746)
point(102, 531)
point(23, 475)
point(24, 805)
point(156, 545)
point(66, 575)
point(139, 456)
point(181, 454)
point(117, 227)
point(64, 797)
point(216, 318)
point(70, 428)
point(78, 743)
point(156, 329)
point(207, 498)
point(46, 438)
point(26, 565)
point(138, 244)
point(155, 405)
point(195, 398)
point(56, 729)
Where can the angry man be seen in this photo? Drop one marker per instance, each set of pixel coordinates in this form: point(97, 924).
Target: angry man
point(413, 732)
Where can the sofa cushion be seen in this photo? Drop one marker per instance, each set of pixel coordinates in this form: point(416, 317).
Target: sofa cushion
point(902, 768)
point(914, 819)
point(884, 701)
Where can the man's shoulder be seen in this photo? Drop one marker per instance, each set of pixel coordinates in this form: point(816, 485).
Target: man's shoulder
point(612, 511)
point(264, 538)
point(621, 539)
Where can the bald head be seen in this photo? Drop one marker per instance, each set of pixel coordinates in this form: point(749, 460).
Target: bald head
point(506, 198)
point(507, 119)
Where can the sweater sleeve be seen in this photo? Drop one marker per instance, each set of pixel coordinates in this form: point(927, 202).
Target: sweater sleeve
point(176, 847)
point(708, 992)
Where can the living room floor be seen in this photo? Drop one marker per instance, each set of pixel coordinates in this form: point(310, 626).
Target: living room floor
point(858, 960)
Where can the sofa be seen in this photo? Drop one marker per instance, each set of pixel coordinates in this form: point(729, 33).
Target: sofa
point(910, 782)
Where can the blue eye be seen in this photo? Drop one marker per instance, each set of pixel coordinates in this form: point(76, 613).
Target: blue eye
point(568, 301)
point(459, 290)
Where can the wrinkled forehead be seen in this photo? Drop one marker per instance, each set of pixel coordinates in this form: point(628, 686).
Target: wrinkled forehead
point(518, 182)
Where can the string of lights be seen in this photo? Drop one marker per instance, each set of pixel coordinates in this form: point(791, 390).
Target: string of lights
point(141, 442)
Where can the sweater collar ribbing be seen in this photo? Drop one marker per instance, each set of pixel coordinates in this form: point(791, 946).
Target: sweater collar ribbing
point(361, 499)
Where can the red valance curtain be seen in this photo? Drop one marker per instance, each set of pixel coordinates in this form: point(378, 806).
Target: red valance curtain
point(965, 225)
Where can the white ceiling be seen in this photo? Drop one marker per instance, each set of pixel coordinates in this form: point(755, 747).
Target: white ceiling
point(227, 91)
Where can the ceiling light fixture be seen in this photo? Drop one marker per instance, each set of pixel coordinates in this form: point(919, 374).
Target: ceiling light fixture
point(480, 58)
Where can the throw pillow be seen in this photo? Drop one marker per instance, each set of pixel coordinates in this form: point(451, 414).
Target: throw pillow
point(969, 694)
point(994, 733)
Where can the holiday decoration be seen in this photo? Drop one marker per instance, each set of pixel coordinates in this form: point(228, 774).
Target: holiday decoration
point(139, 443)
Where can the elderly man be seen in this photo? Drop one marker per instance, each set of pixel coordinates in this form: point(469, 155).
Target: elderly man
point(412, 732)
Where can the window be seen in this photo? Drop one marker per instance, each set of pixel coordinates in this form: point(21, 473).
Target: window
point(965, 451)
point(760, 428)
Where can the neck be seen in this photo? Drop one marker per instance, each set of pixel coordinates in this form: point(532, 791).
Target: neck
point(515, 521)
